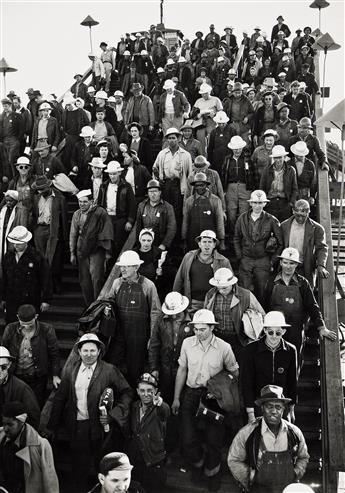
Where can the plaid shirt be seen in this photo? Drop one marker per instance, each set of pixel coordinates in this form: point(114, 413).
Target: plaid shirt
point(222, 313)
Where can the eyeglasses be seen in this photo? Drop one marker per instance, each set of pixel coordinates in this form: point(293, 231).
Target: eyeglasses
point(4, 367)
point(271, 332)
point(23, 166)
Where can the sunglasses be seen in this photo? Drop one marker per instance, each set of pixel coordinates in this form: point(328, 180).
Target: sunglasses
point(4, 367)
point(271, 332)
point(23, 166)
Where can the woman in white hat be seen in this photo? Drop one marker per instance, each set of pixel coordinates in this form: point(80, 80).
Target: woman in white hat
point(204, 110)
point(269, 360)
point(168, 334)
point(219, 138)
point(150, 254)
point(305, 171)
point(279, 182)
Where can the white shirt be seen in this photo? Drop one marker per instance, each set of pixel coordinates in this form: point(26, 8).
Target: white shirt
point(111, 199)
point(272, 442)
point(169, 107)
point(81, 386)
point(96, 183)
point(118, 111)
point(130, 177)
point(296, 238)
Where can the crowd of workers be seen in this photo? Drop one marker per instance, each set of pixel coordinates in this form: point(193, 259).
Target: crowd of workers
point(202, 157)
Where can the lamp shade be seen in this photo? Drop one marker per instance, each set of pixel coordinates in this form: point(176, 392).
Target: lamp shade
point(319, 4)
point(5, 67)
point(325, 43)
point(89, 21)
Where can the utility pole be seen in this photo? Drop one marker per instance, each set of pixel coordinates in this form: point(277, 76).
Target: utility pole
point(161, 9)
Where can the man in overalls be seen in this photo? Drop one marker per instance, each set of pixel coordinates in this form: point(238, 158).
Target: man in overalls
point(203, 210)
point(269, 453)
point(138, 308)
point(291, 294)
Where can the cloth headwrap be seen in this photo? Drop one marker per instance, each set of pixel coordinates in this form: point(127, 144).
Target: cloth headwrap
point(146, 231)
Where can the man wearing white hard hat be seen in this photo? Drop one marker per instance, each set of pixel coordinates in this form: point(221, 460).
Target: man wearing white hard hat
point(270, 358)
point(164, 348)
point(172, 167)
point(219, 139)
point(279, 182)
point(173, 107)
point(238, 179)
point(269, 453)
point(228, 302)
point(9, 219)
point(98, 71)
point(138, 308)
point(257, 242)
point(305, 172)
point(45, 129)
point(77, 404)
point(197, 268)
point(101, 99)
point(116, 196)
point(90, 244)
point(202, 357)
point(204, 110)
point(25, 277)
point(13, 388)
point(309, 238)
point(291, 293)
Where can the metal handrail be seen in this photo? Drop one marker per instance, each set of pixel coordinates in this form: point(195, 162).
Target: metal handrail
point(332, 400)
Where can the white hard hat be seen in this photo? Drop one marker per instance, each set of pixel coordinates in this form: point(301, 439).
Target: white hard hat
point(170, 61)
point(101, 95)
point(129, 258)
point(23, 160)
point(278, 151)
point(119, 93)
point(221, 117)
point(111, 99)
point(87, 132)
point(89, 337)
point(237, 142)
point(114, 167)
point(174, 303)
point(275, 319)
point(90, 89)
point(258, 196)
point(169, 84)
point(298, 488)
point(203, 316)
point(44, 106)
point(4, 353)
point(223, 278)
point(182, 59)
point(205, 88)
point(290, 254)
point(19, 235)
point(160, 70)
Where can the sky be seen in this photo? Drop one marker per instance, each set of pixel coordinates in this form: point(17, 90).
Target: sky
point(46, 43)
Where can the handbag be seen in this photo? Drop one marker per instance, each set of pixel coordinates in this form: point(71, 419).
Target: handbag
point(208, 408)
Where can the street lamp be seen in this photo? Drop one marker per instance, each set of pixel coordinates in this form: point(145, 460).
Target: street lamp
point(4, 68)
point(325, 43)
point(319, 4)
point(89, 21)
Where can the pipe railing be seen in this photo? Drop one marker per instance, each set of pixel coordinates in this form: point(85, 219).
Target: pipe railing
point(332, 399)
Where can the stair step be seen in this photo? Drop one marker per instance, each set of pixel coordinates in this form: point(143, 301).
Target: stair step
point(308, 384)
point(67, 298)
